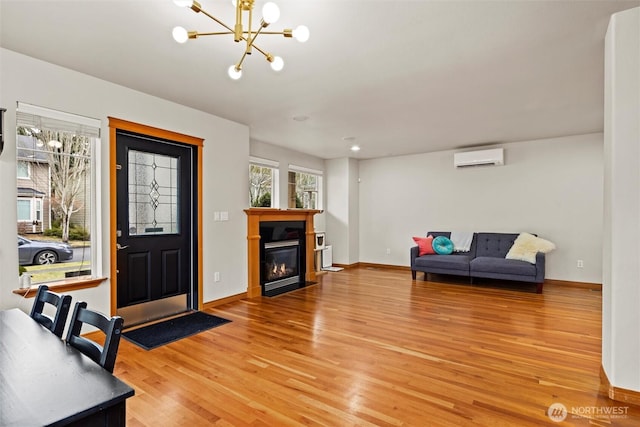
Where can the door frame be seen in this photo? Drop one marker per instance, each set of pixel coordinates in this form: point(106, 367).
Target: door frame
point(119, 124)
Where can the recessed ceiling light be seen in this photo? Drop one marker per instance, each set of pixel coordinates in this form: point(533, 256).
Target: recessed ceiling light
point(300, 118)
point(355, 148)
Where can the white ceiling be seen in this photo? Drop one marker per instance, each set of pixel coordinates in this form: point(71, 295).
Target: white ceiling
point(400, 77)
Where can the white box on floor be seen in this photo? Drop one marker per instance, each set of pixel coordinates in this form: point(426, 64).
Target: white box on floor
point(327, 256)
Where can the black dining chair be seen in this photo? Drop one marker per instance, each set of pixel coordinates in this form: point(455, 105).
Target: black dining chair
point(104, 355)
point(62, 304)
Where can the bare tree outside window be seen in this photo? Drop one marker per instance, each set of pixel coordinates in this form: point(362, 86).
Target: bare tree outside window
point(67, 155)
point(260, 186)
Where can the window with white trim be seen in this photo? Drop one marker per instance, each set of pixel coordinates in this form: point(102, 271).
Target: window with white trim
point(263, 183)
point(58, 207)
point(29, 209)
point(304, 187)
point(24, 171)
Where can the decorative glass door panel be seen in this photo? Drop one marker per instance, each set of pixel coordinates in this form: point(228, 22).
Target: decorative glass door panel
point(153, 194)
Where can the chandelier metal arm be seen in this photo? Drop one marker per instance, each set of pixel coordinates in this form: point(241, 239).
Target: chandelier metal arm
point(194, 35)
point(217, 20)
point(285, 33)
point(250, 44)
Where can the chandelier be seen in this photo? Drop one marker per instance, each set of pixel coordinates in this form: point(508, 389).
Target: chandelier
point(244, 14)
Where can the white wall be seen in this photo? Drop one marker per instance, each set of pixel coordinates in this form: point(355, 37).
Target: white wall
point(285, 157)
point(226, 153)
point(621, 275)
point(550, 187)
point(342, 209)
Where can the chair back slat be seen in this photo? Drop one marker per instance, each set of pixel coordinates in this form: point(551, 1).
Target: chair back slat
point(62, 304)
point(104, 355)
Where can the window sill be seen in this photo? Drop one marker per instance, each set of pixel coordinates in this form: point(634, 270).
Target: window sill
point(63, 286)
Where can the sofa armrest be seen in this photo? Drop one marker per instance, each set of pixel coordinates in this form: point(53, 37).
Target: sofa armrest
point(414, 253)
point(540, 267)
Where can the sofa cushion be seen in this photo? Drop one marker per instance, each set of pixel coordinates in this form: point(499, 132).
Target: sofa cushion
point(494, 244)
point(526, 246)
point(451, 262)
point(442, 245)
point(501, 265)
point(425, 245)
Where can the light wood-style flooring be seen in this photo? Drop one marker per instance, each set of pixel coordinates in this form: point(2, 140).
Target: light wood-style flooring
point(369, 346)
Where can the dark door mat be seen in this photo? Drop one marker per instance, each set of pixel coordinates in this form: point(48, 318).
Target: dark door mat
point(152, 336)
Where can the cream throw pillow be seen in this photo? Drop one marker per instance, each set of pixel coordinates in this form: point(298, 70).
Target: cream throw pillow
point(526, 246)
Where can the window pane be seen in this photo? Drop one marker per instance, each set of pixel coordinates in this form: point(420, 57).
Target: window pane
point(303, 190)
point(38, 210)
point(58, 157)
point(23, 170)
point(24, 210)
point(260, 186)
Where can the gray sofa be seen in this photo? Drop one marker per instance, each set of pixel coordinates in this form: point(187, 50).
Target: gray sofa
point(486, 258)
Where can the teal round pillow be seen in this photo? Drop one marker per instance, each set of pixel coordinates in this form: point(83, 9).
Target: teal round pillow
point(442, 245)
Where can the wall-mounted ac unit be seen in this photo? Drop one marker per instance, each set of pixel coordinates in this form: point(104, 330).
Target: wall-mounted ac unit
point(494, 156)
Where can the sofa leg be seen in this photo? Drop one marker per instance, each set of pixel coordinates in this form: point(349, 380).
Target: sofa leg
point(413, 274)
point(426, 277)
point(539, 288)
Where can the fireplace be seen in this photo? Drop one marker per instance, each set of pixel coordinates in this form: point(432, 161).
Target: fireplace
point(266, 226)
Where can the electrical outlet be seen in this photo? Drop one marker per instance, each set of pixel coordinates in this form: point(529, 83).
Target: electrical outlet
point(216, 276)
point(580, 264)
point(388, 251)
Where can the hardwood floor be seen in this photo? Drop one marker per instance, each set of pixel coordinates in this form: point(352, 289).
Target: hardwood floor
point(368, 346)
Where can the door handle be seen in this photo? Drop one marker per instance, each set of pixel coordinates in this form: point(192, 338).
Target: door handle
point(118, 247)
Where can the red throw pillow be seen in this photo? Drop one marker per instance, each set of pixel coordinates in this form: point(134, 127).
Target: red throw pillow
point(425, 245)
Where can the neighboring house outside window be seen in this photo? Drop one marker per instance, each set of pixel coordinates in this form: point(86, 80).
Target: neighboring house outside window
point(33, 188)
point(263, 183)
point(305, 188)
point(30, 206)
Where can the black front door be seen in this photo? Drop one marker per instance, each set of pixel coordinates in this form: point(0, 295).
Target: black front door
point(155, 205)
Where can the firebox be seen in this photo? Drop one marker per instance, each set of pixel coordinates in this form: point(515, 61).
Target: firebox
point(281, 264)
point(282, 256)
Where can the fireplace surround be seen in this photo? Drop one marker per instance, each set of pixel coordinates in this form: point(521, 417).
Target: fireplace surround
point(255, 242)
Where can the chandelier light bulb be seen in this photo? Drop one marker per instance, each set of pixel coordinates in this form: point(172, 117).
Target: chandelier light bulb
point(277, 64)
point(301, 33)
point(233, 73)
point(234, 3)
point(180, 34)
point(183, 3)
point(270, 12)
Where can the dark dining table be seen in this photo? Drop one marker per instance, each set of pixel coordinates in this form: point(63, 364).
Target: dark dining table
point(44, 382)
